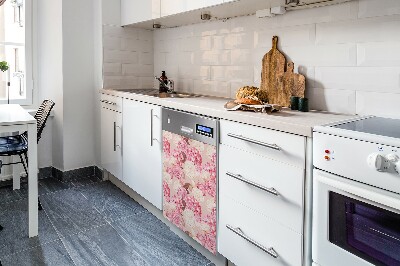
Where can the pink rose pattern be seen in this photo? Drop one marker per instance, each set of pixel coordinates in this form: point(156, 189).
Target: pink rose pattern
point(179, 152)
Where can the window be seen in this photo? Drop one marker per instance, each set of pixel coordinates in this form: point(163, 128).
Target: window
point(16, 49)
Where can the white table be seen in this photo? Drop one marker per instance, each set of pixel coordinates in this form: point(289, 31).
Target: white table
point(15, 118)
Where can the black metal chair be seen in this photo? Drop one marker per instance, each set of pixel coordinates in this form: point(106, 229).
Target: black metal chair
point(18, 145)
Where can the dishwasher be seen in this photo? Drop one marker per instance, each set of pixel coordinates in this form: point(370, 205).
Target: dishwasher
point(190, 148)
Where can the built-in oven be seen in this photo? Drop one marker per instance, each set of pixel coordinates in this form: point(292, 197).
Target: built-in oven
point(354, 223)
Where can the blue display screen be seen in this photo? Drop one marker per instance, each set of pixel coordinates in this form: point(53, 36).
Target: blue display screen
point(203, 130)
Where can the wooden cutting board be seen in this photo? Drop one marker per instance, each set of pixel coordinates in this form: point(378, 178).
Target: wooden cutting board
point(295, 83)
point(292, 84)
point(273, 68)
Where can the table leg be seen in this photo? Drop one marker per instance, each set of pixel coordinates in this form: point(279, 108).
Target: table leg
point(32, 181)
point(16, 173)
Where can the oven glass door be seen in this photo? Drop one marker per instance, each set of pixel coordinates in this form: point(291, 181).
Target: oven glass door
point(367, 231)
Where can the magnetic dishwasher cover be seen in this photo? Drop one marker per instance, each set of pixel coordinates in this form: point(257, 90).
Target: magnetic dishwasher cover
point(190, 175)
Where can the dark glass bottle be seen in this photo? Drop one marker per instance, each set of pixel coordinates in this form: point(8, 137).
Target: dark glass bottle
point(163, 78)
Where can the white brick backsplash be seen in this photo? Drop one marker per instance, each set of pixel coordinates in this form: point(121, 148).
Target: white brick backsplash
point(240, 57)
point(185, 58)
point(137, 70)
point(374, 8)
point(128, 60)
point(111, 43)
point(231, 73)
point(209, 28)
point(137, 45)
point(380, 104)
point(215, 88)
point(145, 35)
point(244, 40)
point(349, 54)
point(340, 101)
point(184, 85)
point(382, 54)
point(145, 82)
point(194, 72)
point(112, 69)
point(381, 29)
point(288, 36)
point(378, 79)
point(322, 55)
point(196, 43)
point(222, 57)
point(146, 58)
point(116, 56)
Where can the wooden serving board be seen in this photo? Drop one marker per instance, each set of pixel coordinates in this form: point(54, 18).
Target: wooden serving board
point(273, 68)
point(292, 84)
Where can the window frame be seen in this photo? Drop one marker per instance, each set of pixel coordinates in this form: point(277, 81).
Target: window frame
point(29, 57)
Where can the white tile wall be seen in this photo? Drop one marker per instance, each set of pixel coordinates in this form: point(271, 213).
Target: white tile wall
point(350, 54)
point(128, 58)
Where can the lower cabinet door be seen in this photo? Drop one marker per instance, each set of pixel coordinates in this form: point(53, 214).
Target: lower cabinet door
point(142, 146)
point(246, 237)
point(111, 138)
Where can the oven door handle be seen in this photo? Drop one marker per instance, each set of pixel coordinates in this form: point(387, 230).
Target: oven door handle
point(366, 192)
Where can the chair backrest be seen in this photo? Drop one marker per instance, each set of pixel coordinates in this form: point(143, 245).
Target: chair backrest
point(41, 116)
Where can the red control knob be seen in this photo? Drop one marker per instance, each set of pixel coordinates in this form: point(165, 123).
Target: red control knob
point(327, 151)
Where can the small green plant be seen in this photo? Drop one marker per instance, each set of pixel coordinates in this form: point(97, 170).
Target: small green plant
point(4, 66)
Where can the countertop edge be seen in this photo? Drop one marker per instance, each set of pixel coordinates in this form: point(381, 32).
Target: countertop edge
point(275, 121)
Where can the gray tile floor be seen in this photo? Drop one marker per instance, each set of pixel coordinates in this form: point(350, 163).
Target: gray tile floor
point(87, 222)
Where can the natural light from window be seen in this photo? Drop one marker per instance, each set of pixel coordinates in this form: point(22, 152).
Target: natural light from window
point(12, 50)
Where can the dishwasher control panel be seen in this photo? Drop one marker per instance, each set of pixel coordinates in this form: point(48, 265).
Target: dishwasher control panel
point(193, 126)
point(205, 130)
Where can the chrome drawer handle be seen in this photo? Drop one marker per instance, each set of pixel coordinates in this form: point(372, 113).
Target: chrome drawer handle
point(267, 145)
point(241, 178)
point(108, 102)
point(240, 233)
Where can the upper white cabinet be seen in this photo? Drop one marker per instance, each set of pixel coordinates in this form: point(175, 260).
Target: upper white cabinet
point(172, 7)
point(134, 11)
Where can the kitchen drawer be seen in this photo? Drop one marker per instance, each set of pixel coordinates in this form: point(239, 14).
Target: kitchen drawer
point(280, 192)
point(111, 102)
point(286, 244)
point(274, 144)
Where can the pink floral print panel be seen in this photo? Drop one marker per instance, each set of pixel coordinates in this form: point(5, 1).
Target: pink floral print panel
point(190, 187)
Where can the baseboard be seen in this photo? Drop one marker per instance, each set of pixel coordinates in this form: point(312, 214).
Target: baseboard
point(51, 171)
point(77, 173)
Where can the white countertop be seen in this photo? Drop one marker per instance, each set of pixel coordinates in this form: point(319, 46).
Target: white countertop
point(299, 123)
point(13, 114)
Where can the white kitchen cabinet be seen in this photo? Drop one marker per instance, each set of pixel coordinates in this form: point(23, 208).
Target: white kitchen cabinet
point(192, 5)
point(261, 195)
point(172, 7)
point(134, 11)
point(111, 137)
point(142, 147)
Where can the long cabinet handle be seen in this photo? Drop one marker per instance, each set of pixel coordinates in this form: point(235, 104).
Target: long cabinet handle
point(270, 251)
point(241, 178)
point(267, 145)
point(108, 102)
point(115, 136)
